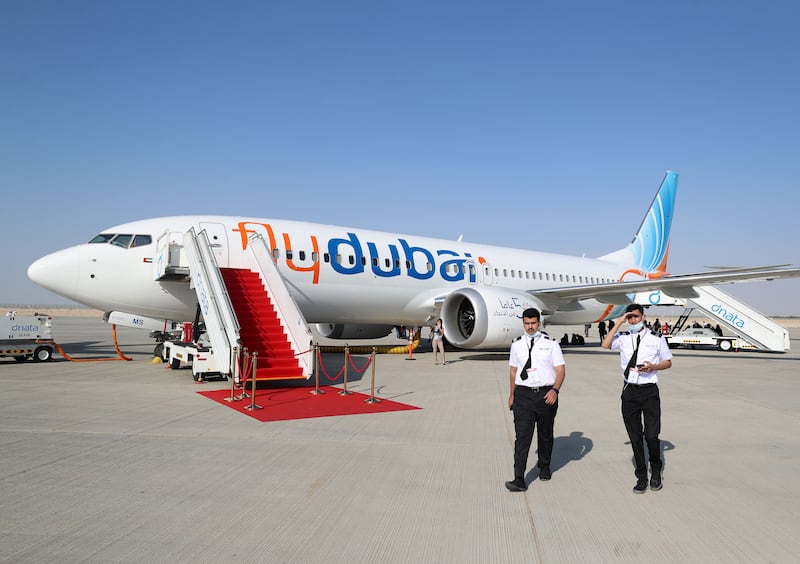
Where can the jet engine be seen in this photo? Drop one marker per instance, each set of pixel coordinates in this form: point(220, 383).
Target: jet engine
point(353, 330)
point(484, 318)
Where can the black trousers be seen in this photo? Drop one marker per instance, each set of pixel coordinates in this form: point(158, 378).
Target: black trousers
point(643, 403)
point(530, 410)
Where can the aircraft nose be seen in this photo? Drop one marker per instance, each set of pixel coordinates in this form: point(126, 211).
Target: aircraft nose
point(57, 272)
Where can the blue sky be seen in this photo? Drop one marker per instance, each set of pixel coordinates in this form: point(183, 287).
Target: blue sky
point(537, 125)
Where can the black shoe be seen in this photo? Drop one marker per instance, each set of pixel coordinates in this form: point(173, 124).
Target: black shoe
point(518, 485)
point(655, 481)
point(641, 486)
point(544, 473)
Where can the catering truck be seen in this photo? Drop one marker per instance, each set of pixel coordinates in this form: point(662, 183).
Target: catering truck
point(26, 337)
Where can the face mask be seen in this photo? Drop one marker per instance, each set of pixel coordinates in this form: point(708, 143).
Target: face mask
point(637, 327)
point(535, 335)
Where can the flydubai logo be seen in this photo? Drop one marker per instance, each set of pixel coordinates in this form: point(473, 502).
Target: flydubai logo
point(730, 316)
point(349, 255)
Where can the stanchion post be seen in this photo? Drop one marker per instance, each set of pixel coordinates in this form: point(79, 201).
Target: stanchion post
point(372, 398)
point(253, 405)
point(234, 374)
point(316, 390)
point(247, 366)
point(345, 391)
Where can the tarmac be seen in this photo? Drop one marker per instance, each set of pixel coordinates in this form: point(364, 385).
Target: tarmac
point(124, 462)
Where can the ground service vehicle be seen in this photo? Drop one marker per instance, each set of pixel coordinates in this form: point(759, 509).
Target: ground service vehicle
point(184, 353)
point(26, 337)
point(695, 337)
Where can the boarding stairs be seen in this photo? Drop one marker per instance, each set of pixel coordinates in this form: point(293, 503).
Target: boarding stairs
point(741, 319)
point(249, 307)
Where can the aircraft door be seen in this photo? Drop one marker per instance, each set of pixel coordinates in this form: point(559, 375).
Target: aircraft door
point(218, 239)
point(487, 274)
point(471, 271)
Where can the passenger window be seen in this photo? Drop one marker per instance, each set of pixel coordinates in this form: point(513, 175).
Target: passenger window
point(288, 254)
point(301, 255)
point(276, 253)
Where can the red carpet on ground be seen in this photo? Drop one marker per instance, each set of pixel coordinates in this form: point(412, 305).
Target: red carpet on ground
point(281, 404)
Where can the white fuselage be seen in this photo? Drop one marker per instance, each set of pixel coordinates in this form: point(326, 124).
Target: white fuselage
point(336, 274)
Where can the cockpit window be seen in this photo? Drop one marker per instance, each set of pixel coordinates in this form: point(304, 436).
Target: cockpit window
point(141, 240)
point(123, 240)
point(102, 238)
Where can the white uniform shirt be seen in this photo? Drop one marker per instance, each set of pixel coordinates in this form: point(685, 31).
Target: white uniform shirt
point(652, 348)
point(545, 356)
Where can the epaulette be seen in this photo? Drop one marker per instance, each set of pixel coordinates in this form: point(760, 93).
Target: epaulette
point(624, 332)
point(657, 332)
point(517, 339)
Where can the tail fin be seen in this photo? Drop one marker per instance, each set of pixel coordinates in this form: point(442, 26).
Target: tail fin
point(649, 248)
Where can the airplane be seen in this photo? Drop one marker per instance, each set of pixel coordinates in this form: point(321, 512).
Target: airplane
point(356, 283)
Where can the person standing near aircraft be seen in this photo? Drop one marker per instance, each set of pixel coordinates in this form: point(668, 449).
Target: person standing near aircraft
point(601, 328)
point(536, 375)
point(437, 341)
point(642, 354)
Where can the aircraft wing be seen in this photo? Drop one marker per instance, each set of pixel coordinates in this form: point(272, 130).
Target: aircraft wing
point(566, 298)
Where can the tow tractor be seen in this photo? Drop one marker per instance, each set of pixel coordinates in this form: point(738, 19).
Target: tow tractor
point(26, 337)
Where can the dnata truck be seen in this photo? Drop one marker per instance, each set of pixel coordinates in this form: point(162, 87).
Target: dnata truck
point(26, 337)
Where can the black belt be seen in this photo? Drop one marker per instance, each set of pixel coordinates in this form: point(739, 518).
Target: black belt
point(538, 388)
point(640, 385)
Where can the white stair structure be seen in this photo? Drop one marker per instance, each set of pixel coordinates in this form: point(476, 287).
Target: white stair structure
point(220, 319)
point(192, 257)
point(741, 319)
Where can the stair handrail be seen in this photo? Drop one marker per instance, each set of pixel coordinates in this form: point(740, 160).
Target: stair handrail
point(290, 316)
point(222, 325)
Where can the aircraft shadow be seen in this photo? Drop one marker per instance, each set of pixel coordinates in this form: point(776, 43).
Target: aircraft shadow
point(331, 373)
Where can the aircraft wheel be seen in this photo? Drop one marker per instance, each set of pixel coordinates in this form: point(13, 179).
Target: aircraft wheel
point(158, 350)
point(42, 354)
point(725, 346)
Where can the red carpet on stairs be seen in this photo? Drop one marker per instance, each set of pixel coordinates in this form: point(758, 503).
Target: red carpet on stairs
point(260, 329)
point(281, 404)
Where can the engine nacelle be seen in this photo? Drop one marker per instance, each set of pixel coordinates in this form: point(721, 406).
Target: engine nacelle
point(484, 318)
point(353, 330)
